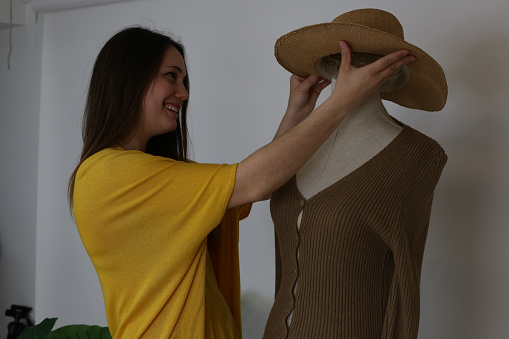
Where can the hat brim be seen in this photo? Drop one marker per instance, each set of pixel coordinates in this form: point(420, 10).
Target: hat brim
point(299, 51)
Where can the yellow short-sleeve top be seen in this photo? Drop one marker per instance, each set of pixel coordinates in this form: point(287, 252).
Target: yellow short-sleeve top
point(146, 222)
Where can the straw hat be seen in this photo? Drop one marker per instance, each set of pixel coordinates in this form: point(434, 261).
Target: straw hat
point(368, 31)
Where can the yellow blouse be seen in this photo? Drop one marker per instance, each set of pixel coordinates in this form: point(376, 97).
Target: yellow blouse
point(145, 223)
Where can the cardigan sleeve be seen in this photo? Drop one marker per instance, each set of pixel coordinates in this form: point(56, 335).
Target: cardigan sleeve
point(417, 211)
point(403, 321)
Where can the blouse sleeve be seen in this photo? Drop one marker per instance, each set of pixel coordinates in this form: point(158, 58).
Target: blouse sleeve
point(144, 222)
point(150, 202)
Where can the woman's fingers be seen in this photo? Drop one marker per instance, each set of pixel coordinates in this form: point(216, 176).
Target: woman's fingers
point(354, 85)
point(295, 79)
point(346, 56)
point(384, 66)
point(304, 92)
point(378, 71)
point(308, 87)
point(309, 82)
point(318, 87)
point(389, 70)
point(391, 63)
point(315, 91)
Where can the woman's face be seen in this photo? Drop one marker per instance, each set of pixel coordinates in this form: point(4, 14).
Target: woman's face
point(164, 98)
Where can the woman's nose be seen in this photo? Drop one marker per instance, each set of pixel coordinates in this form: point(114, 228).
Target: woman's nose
point(182, 93)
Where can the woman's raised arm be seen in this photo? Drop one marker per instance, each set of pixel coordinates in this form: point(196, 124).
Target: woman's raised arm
point(272, 165)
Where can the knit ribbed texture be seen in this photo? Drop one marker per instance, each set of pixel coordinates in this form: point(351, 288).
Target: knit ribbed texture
point(361, 243)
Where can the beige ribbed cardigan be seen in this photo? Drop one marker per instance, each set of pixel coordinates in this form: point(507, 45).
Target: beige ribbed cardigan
point(360, 247)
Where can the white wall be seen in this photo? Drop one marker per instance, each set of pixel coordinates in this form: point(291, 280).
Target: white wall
point(239, 93)
point(20, 89)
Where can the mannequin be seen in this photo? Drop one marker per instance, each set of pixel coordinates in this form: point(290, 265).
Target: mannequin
point(350, 227)
point(363, 133)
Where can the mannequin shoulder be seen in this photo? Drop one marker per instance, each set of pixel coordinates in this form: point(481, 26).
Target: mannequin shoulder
point(422, 143)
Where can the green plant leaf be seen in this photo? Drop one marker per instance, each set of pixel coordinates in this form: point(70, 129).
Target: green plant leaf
point(39, 331)
point(80, 332)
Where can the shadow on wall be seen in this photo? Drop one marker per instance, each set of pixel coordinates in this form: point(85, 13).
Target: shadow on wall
point(254, 308)
point(464, 237)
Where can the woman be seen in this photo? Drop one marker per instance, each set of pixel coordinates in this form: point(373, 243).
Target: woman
point(148, 217)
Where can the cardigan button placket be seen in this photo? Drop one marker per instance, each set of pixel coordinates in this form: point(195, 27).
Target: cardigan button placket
point(302, 204)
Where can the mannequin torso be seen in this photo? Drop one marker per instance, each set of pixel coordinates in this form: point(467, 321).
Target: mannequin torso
point(362, 134)
point(351, 226)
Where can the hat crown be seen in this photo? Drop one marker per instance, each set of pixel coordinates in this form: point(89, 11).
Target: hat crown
point(366, 31)
point(373, 18)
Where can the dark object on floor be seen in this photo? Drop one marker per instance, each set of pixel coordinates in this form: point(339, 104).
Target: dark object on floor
point(21, 320)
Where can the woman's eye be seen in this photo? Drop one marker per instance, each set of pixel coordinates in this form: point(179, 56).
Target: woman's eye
point(171, 74)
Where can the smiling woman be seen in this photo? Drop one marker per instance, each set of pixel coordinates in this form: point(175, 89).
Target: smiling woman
point(162, 102)
point(161, 230)
point(126, 79)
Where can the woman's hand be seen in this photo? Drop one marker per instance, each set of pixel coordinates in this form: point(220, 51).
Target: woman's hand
point(355, 85)
point(304, 92)
point(272, 165)
point(303, 95)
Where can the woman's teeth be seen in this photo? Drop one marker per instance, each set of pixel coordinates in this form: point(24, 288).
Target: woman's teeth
point(172, 108)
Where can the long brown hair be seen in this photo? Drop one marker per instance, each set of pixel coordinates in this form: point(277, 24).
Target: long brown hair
point(122, 74)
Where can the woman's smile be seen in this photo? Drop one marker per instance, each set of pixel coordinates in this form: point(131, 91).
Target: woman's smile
point(173, 108)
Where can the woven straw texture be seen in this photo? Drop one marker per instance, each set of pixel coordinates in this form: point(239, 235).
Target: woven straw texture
point(371, 31)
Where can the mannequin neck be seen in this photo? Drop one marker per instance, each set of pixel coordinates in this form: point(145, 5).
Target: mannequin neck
point(371, 110)
point(363, 133)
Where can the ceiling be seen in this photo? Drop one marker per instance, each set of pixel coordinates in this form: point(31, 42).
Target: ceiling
point(40, 6)
point(18, 13)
